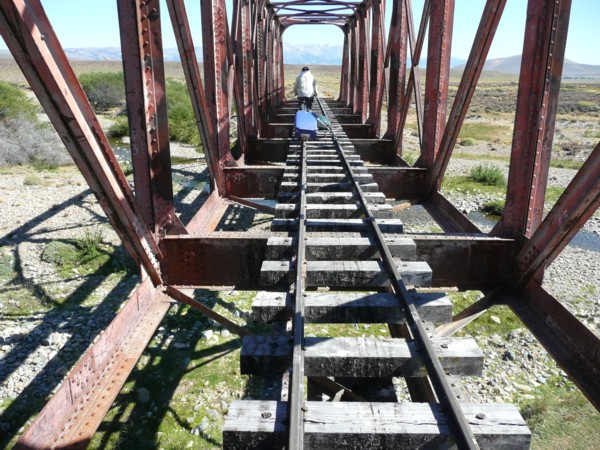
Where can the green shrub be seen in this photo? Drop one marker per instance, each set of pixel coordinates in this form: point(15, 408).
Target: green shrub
point(119, 128)
point(488, 174)
point(60, 253)
point(182, 121)
point(105, 90)
point(33, 179)
point(586, 106)
point(467, 142)
point(493, 207)
point(14, 104)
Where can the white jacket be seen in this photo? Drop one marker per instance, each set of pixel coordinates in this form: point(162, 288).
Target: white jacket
point(305, 85)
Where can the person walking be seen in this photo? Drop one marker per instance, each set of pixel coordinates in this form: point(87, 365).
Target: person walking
point(305, 88)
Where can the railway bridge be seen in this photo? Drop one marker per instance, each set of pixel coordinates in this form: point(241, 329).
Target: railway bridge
point(335, 252)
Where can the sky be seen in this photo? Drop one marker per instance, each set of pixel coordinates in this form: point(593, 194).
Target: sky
point(85, 23)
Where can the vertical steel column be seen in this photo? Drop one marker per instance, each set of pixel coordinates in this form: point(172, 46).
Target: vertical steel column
point(541, 70)
point(191, 71)
point(397, 47)
point(353, 64)
point(570, 213)
point(260, 60)
point(437, 77)
point(414, 80)
point(214, 46)
point(363, 70)
point(280, 70)
point(243, 64)
point(35, 47)
point(481, 45)
point(345, 75)
point(377, 56)
point(141, 44)
point(271, 64)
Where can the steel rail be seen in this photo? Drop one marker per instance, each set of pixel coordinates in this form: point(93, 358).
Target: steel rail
point(296, 393)
point(456, 419)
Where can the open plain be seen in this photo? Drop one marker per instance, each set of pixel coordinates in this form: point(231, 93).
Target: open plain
point(51, 309)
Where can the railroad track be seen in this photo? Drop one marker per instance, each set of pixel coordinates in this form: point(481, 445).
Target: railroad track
point(338, 256)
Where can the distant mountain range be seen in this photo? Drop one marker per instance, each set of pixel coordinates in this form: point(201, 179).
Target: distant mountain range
point(512, 65)
point(325, 54)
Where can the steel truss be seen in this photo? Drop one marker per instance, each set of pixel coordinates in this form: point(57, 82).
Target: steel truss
point(244, 66)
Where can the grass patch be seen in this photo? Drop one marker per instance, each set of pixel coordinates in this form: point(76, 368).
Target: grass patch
point(410, 157)
point(466, 185)
point(595, 134)
point(485, 132)
point(33, 179)
point(480, 157)
point(566, 164)
point(493, 207)
point(561, 417)
point(467, 142)
point(488, 175)
point(119, 128)
point(484, 325)
point(7, 265)
point(86, 255)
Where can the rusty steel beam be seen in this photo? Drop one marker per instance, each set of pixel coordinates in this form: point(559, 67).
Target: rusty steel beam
point(35, 47)
point(397, 52)
point(73, 414)
point(216, 69)
point(537, 98)
point(362, 94)
point(490, 18)
point(242, 21)
point(570, 213)
point(572, 345)
point(187, 53)
point(437, 78)
point(344, 74)
point(377, 70)
point(353, 92)
point(208, 312)
point(414, 78)
point(141, 44)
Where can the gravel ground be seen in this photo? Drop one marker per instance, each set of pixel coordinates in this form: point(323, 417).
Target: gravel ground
point(38, 348)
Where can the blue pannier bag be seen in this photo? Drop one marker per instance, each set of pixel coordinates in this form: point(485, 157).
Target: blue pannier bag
point(305, 125)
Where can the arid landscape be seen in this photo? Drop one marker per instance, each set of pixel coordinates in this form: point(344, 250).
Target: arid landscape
point(64, 274)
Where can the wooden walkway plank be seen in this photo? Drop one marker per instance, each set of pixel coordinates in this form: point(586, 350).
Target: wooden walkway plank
point(262, 424)
point(366, 357)
point(350, 307)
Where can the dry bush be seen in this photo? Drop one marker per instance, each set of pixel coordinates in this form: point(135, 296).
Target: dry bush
point(24, 142)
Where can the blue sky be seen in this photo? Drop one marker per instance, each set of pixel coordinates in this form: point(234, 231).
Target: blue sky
point(84, 23)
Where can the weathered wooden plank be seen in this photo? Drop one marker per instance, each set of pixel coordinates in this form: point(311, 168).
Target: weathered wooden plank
point(386, 225)
point(326, 169)
point(331, 197)
point(362, 178)
point(324, 162)
point(331, 248)
point(332, 211)
point(350, 307)
point(345, 274)
point(262, 424)
point(288, 186)
point(364, 273)
point(367, 357)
